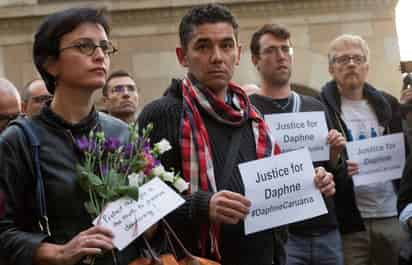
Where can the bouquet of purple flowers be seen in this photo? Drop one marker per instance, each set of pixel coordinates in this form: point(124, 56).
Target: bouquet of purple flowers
point(111, 170)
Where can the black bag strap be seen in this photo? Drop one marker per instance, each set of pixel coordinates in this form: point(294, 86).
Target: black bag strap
point(29, 130)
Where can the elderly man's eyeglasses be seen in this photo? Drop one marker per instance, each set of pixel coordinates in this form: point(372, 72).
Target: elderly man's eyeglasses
point(41, 98)
point(88, 47)
point(285, 49)
point(123, 88)
point(346, 59)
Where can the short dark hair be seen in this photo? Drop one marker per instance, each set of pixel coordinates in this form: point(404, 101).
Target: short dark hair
point(275, 30)
point(47, 38)
point(199, 15)
point(115, 74)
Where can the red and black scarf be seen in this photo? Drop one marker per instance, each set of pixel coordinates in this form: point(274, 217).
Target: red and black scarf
point(197, 162)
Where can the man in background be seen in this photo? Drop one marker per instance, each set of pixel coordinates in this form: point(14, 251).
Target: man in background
point(34, 95)
point(121, 96)
point(315, 241)
point(367, 214)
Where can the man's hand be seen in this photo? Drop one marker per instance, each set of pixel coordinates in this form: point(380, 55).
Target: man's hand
point(324, 181)
point(337, 143)
point(406, 96)
point(228, 207)
point(352, 168)
point(92, 241)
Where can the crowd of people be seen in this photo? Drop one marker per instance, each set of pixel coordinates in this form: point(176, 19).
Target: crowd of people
point(212, 125)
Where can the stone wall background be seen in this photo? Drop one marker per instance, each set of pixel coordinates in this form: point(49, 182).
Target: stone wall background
point(146, 34)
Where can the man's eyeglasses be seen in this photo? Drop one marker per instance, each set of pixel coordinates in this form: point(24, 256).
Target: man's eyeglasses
point(88, 47)
point(346, 59)
point(123, 88)
point(41, 98)
point(285, 49)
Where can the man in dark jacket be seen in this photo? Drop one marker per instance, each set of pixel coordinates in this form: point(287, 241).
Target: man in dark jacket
point(204, 116)
point(367, 214)
point(315, 241)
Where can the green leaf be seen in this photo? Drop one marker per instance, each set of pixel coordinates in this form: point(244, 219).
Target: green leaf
point(94, 179)
point(90, 208)
point(132, 192)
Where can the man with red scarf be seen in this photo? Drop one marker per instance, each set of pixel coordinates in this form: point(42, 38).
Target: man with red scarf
point(212, 127)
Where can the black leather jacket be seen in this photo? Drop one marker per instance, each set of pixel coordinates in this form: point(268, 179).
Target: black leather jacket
point(64, 198)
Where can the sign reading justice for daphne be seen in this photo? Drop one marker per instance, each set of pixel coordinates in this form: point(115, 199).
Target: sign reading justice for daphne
point(293, 131)
point(281, 189)
point(128, 219)
point(379, 158)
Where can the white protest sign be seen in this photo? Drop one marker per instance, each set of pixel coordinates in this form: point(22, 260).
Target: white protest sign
point(281, 189)
point(296, 130)
point(128, 219)
point(379, 158)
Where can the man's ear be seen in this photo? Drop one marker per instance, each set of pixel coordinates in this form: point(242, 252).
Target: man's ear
point(330, 68)
point(255, 59)
point(181, 56)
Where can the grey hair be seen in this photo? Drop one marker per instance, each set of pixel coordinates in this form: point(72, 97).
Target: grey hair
point(9, 88)
point(347, 40)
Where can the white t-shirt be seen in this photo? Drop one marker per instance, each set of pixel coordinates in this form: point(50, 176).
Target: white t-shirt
point(377, 199)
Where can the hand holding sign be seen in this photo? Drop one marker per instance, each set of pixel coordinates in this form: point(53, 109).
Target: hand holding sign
point(90, 242)
point(324, 181)
point(352, 168)
point(337, 143)
point(228, 207)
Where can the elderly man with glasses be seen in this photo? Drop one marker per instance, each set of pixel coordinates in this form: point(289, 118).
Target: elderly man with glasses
point(121, 96)
point(367, 214)
point(34, 95)
point(10, 103)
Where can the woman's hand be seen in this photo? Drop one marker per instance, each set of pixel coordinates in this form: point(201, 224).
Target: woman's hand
point(92, 241)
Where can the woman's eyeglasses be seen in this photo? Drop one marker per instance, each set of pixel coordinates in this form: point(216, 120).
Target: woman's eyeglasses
point(88, 47)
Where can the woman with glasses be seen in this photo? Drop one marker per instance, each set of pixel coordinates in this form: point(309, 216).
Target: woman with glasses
point(72, 54)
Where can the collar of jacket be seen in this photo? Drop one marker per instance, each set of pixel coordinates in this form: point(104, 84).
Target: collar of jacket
point(379, 103)
point(81, 128)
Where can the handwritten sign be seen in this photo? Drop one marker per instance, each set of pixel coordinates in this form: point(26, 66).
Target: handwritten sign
point(379, 158)
point(128, 219)
point(281, 189)
point(294, 131)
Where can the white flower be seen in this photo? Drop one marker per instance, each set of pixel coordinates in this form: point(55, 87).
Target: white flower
point(135, 179)
point(163, 146)
point(168, 176)
point(181, 185)
point(158, 170)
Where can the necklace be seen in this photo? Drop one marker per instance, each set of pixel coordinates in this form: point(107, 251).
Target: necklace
point(282, 103)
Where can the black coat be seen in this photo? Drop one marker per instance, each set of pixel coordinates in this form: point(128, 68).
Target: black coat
point(64, 198)
point(236, 248)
